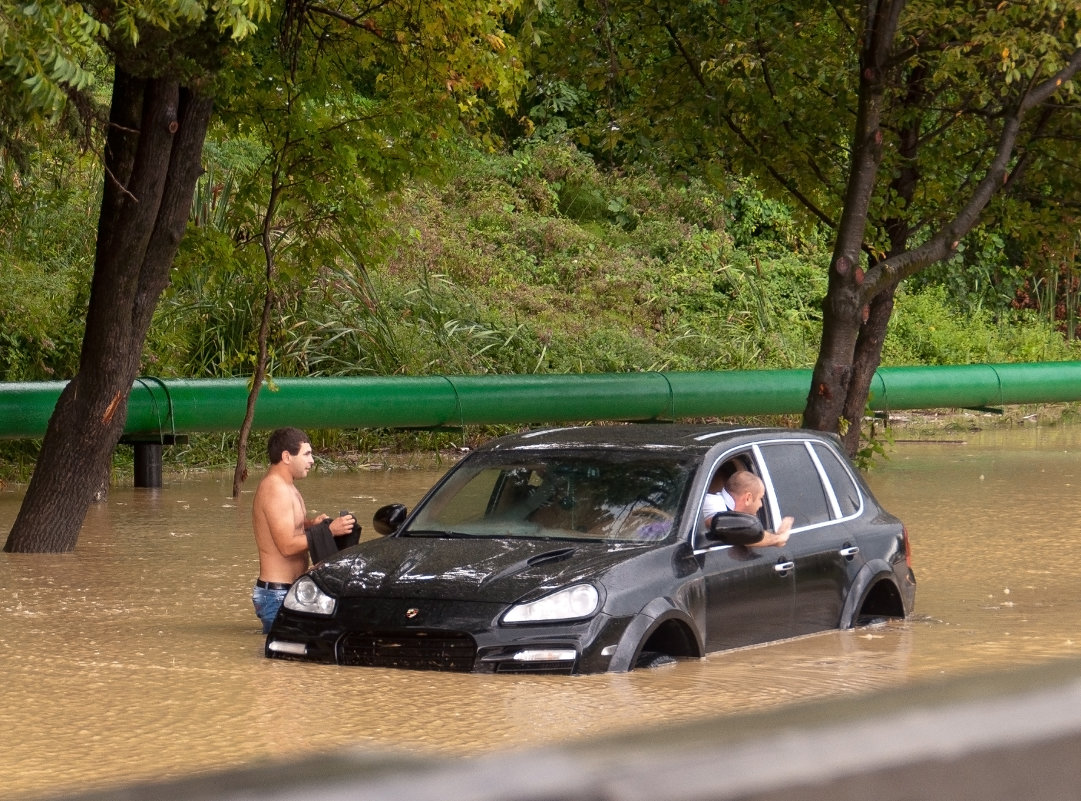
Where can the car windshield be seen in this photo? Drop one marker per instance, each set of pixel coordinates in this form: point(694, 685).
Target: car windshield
point(606, 496)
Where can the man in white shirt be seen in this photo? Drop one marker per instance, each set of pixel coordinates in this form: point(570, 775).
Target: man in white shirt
point(743, 492)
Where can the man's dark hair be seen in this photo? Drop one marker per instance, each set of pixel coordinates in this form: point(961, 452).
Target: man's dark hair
point(285, 439)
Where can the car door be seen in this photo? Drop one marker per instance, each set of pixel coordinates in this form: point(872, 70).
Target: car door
point(750, 596)
point(750, 593)
point(825, 555)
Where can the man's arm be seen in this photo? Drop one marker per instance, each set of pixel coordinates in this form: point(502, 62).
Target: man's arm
point(775, 538)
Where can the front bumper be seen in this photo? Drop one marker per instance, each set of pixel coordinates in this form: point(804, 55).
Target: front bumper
point(455, 637)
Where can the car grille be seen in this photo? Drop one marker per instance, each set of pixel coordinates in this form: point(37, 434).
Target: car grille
point(418, 650)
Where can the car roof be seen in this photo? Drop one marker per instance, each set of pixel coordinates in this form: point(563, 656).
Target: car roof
point(662, 436)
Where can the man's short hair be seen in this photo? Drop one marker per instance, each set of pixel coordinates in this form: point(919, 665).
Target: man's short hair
point(285, 439)
point(742, 481)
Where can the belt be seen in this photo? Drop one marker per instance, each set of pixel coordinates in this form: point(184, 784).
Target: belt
point(272, 585)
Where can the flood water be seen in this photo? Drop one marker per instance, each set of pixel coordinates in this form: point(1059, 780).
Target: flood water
point(139, 657)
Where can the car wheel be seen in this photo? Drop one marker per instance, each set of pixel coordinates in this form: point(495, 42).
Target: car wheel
point(870, 620)
point(652, 659)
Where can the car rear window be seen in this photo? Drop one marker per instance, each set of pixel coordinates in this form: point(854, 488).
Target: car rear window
point(796, 483)
point(844, 488)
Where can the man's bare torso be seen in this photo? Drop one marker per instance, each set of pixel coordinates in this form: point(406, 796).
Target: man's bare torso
point(278, 514)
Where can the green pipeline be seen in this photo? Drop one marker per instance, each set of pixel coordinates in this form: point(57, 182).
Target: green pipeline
point(158, 408)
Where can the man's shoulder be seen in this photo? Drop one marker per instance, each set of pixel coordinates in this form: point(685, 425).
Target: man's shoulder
point(271, 484)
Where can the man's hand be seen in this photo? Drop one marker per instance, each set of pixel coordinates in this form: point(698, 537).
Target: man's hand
point(340, 526)
point(776, 538)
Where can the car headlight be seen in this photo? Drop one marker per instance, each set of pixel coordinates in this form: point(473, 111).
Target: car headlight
point(305, 596)
point(581, 600)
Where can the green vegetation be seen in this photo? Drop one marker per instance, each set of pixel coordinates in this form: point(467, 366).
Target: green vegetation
point(531, 261)
point(538, 261)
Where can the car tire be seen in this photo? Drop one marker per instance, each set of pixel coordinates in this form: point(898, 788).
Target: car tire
point(652, 659)
point(863, 621)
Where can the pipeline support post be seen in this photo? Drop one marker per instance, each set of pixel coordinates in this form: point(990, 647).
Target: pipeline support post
point(148, 457)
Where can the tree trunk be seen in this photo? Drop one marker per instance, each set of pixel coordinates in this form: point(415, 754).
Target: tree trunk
point(152, 161)
point(872, 334)
point(845, 311)
point(240, 473)
point(867, 357)
point(832, 374)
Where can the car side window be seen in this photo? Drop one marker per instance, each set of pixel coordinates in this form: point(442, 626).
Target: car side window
point(739, 461)
point(796, 484)
point(844, 488)
point(466, 503)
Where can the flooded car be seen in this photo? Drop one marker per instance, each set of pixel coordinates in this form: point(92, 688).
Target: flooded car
point(586, 549)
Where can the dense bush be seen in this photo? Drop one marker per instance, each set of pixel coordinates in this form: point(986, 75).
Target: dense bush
point(46, 255)
point(927, 328)
point(532, 261)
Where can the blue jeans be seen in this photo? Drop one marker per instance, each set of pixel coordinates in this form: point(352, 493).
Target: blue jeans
point(267, 603)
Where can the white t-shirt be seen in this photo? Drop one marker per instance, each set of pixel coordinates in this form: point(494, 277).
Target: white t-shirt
point(717, 502)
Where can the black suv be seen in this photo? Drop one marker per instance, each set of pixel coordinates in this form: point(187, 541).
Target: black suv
point(586, 549)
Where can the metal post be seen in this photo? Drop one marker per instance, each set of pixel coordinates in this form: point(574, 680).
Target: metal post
point(147, 464)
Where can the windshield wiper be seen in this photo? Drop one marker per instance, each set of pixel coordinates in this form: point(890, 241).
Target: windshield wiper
point(446, 535)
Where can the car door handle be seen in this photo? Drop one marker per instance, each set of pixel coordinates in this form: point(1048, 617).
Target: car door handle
point(784, 567)
point(850, 553)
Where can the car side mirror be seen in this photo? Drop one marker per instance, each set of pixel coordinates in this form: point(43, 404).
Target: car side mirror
point(734, 528)
point(388, 519)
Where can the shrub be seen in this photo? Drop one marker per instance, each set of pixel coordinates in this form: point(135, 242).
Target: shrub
point(927, 329)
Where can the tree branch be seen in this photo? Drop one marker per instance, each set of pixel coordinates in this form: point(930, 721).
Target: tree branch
point(944, 242)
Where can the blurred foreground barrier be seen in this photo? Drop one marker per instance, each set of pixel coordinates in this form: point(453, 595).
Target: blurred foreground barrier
point(1010, 737)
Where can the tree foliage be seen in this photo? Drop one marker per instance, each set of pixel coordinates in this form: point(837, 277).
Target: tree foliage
point(313, 70)
point(900, 126)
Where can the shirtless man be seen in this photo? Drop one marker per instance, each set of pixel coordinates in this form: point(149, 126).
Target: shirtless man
point(279, 518)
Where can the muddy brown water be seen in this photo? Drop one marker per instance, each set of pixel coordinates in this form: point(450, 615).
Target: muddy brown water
point(138, 657)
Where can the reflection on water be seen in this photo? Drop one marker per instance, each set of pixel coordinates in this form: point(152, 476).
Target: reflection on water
point(139, 656)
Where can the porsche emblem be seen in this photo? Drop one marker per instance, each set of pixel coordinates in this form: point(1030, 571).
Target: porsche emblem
point(412, 612)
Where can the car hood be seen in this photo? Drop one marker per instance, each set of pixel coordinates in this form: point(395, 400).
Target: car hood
point(497, 570)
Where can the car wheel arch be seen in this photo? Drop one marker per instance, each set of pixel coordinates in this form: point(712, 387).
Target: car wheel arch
point(875, 581)
point(659, 622)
